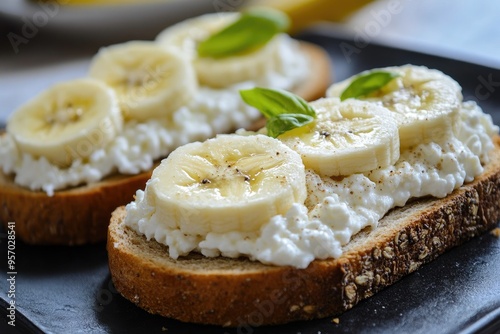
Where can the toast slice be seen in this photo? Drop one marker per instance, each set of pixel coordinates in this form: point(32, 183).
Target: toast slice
point(81, 214)
point(237, 292)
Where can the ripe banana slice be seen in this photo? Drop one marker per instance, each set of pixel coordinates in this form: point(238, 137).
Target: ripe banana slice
point(150, 81)
point(220, 72)
point(347, 137)
point(228, 183)
point(188, 33)
point(424, 102)
point(68, 121)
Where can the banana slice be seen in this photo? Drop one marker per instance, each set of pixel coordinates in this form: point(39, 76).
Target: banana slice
point(188, 33)
point(347, 137)
point(150, 81)
point(68, 121)
point(228, 183)
point(424, 102)
point(220, 72)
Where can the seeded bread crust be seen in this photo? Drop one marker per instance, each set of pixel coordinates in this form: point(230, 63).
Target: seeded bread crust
point(81, 214)
point(239, 292)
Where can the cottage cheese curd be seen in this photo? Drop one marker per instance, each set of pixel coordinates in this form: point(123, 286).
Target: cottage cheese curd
point(335, 210)
point(140, 144)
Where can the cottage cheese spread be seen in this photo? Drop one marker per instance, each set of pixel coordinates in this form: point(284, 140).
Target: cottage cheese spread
point(335, 210)
point(140, 144)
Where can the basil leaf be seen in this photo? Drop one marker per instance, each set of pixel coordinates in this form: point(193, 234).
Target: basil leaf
point(273, 102)
point(282, 123)
point(364, 84)
point(253, 29)
point(284, 111)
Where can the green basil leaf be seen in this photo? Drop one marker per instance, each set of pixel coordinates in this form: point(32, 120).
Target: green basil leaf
point(364, 84)
point(254, 28)
point(282, 123)
point(273, 102)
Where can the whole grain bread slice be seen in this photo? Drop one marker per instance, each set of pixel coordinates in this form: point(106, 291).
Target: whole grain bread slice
point(81, 214)
point(237, 292)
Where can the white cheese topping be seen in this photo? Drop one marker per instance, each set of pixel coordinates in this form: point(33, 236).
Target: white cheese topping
point(135, 150)
point(335, 210)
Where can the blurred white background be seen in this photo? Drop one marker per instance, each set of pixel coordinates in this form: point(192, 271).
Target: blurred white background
point(462, 29)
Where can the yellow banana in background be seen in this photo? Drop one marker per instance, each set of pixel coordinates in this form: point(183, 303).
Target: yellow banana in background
point(306, 12)
point(302, 12)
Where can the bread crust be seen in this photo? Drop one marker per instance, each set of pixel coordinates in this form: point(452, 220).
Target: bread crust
point(81, 214)
point(241, 293)
point(71, 217)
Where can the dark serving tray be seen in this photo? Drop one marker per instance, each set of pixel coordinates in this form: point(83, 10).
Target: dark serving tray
point(69, 289)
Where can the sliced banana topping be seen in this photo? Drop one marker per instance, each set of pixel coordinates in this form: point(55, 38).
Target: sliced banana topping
point(188, 33)
point(424, 102)
point(150, 81)
point(347, 137)
point(68, 121)
point(220, 72)
point(229, 183)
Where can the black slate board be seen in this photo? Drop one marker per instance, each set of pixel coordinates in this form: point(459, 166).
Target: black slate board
point(69, 289)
